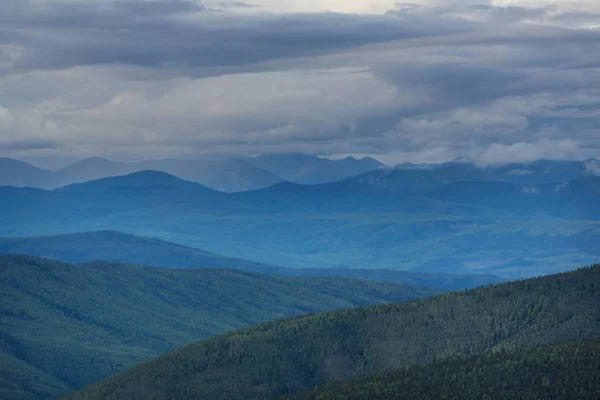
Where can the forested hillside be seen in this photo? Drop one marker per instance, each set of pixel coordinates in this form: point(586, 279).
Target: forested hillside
point(63, 325)
point(282, 358)
point(560, 372)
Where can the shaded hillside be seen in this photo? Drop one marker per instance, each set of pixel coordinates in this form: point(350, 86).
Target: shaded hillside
point(560, 372)
point(281, 358)
point(121, 247)
point(64, 325)
point(347, 197)
point(20, 174)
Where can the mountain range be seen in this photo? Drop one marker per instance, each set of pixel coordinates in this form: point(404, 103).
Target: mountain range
point(225, 173)
point(66, 325)
point(124, 248)
point(487, 227)
point(426, 176)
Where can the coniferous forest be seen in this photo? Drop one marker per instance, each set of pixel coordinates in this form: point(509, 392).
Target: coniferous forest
point(286, 357)
point(563, 372)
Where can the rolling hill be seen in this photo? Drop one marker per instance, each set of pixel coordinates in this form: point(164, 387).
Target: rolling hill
point(286, 357)
point(471, 227)
point(120, 247)
point(65, 325)
point(560, 372)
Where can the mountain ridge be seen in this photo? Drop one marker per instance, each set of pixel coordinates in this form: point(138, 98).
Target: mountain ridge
point(66, 325)
point(115, 246)
point(337, 225)
point(222, 173)
point(286, 357)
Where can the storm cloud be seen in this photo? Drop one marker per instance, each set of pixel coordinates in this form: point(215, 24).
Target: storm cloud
point(490, 81)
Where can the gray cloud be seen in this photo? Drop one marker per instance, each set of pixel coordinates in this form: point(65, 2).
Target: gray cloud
point(167, 78)
point(183, 34)
point(29, 144)
point(592, 167)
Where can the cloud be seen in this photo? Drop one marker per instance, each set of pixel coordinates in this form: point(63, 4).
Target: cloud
point(530, 190)
point(29, 144)
point(524, 152)
point(179, 34)
point(5, 117)
point(561, 186)
point(430, 81)
point(592, 167)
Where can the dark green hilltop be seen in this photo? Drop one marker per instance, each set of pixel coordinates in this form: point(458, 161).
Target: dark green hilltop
point(287, 357)
point(63, 326)
point(559, 372)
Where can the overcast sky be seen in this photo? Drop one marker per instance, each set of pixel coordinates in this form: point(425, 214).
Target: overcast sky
point(499, 81)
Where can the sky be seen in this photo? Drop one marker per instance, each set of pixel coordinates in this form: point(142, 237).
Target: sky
point(422, 81)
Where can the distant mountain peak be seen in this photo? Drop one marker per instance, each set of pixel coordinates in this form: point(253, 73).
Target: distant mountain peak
point(90, 160)
point(8, 160)
point(460, 160)
point(371, 159)
point(141, 179)
point(150, 177)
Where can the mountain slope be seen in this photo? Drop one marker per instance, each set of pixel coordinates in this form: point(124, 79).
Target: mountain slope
point(20, 174)
point(281, 358)
point(147, 179)
point(64, 325)
point(339, 197)
point(92, 169)
point(121, 247)
point(560, 372)
point(577, 199)
point(311, 170)
point(227, 175)
point(414, 177)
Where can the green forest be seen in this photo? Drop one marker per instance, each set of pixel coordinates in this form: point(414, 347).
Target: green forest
point(65, 325)
point(568, 371)
point(286, 357)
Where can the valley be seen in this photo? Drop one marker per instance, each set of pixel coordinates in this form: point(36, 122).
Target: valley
point(67, 325)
